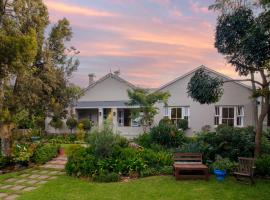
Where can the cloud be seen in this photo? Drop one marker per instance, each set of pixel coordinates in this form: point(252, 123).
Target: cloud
point(197, 8)
point(77, 10)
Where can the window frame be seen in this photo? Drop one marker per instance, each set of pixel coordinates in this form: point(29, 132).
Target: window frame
point(218, 116)
point(185, 113)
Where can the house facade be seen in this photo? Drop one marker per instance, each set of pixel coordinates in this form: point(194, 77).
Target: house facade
point(108, 96)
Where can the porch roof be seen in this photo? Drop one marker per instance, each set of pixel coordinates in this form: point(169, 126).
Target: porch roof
point(102, 104)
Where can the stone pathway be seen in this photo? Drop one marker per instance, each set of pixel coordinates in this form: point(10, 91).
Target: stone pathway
point(30, 179)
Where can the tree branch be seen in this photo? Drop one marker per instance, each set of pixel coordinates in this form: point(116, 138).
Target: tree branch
point(243, 80)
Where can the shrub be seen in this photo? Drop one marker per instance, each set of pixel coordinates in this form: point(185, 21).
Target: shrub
point(167, 135)
point(22, 153)
point(183, 124)
point(149, 172)
point(263, 165)
point(4, 161)
point(80, 133)
point(86, 124)
point(71, 123)
point(44, 153)
point(106, 177)
point(81, 162)
point(166, 170)
point(224, 164)
point(156, 159)
point(144, 140)
point(56, 123)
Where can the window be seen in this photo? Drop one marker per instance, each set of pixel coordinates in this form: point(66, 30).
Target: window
point(124, 118)
point(177, 113)
point(230, 115)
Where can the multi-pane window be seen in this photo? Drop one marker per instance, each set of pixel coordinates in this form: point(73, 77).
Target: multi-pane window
point(230, 115)
point(124, 118)
point(177, 113)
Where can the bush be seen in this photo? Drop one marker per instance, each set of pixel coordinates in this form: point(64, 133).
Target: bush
point(22, 153)
point(4, 161)
point(144, 140)
point(166, 170)
point(56, 123)
point(80, 133)
point(44, 153)
point(183, 124)
point(71, 123)
point(107, 177)
point(81, 162)
point(167, 134)
point(224, 164)
point(86, 124)
point(156, 159)
point(149, 172)
point(263, 165)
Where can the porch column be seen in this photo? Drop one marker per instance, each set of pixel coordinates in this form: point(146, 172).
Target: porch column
point(100, 117)
point(114, 121)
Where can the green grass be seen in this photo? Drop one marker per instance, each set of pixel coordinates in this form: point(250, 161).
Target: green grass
point(152, 188)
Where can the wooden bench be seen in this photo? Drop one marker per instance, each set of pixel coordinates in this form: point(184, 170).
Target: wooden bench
point(245, 169)
point(189, 166)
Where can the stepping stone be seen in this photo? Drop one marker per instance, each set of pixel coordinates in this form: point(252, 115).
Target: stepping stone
point(32, 182)
point(6, 187)
point(53, 172)
point(11, 197)
point(44, 172)
point(17, 187)
point(42, 182)
point(28, 189)
point(21, 181)
point(34, 176)
point(43, 177)
point(35, 171)
point(52, 178)
point(10, 180)
point(24, 175)
point(3, 195)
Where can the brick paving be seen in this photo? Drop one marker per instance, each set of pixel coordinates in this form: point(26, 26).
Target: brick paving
point(29, 180)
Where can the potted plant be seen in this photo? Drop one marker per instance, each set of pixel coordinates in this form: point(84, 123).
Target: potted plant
point(221, 167)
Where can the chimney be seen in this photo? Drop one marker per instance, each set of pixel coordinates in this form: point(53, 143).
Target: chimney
point(91, 78)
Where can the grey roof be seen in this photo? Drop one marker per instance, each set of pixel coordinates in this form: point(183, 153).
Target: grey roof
point(104, 104)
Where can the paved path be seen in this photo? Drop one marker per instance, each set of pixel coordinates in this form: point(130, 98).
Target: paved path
point(30, 179)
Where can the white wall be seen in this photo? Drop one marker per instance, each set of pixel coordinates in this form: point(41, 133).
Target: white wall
point(201, 115)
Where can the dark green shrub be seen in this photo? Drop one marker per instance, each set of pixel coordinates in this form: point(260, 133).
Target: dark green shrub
point(81, 162)
point(4, 161)
point(183, 124)
point(71, 123)
point(263, 165)
point(106, 177)
point(44, 153)
point(144, 140)
point(167, 135)
point(156, 159)
point(149, 172)
point(56, 123)
point(165, 120)
point(166, 170)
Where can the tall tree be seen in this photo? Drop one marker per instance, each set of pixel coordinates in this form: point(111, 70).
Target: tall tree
point(243, 38)
point(34, 70)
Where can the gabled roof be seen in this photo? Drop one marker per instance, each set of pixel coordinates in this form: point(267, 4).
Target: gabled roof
point(109, 75)
point(206, 69)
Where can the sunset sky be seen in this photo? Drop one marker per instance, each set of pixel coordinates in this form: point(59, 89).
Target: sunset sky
point(150, 41)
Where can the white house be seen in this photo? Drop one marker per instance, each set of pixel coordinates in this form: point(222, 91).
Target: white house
point(108, 95)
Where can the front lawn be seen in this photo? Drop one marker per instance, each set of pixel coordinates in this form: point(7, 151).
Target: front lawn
point(151, 188)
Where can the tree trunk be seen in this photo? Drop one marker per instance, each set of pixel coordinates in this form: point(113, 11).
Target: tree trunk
point(6, 134)
point(258, 138)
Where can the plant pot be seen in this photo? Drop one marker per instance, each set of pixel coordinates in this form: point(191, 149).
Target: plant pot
point(61, 151)
point(220, 174)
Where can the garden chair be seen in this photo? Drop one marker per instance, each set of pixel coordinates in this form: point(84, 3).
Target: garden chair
point(245, 169)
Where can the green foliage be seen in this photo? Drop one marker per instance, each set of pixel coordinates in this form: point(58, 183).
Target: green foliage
point(224, 164)
point(71, 123)
point(183, 124)
point(263, 165)
point(22, 153)
point(4, 161)
point(44, 153)
point(103, 141)
point(107, 177)
point(146, 102)
point(57, 123)
point(81, 162)
point(144, 140)
point(85, 124)
point(205, 88)
point(167, 134)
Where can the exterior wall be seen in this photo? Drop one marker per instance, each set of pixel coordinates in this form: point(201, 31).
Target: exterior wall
point(108, 90)
point(201, 115)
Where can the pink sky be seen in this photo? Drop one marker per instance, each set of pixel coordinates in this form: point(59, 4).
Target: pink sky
point(150, 41)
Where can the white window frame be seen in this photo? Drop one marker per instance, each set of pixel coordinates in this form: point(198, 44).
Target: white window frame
point(185, 112)
point(218, 114)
